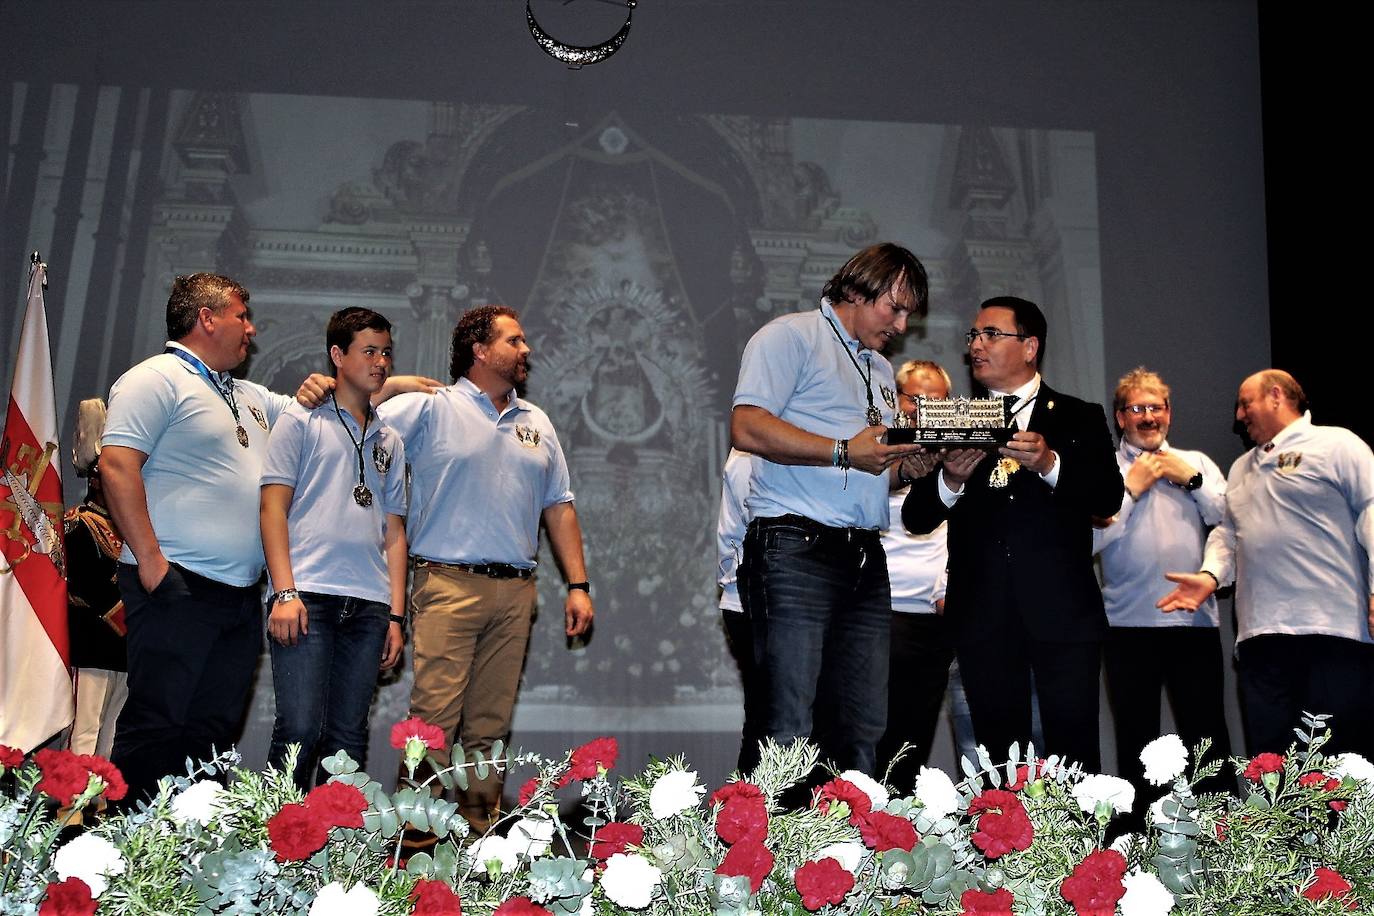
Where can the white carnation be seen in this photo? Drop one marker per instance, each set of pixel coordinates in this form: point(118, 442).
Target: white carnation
point(876, 791)
point(1098, 788)
point(675, 792)
point(333, 900)
point(92, 859)
point(495, 848)
point(1164, 759)
point(1145, 895)
point(532, 835)
point(630, 880)
point(850, 854)
point(1354, 766)
point(197, 803)
point(936, 792)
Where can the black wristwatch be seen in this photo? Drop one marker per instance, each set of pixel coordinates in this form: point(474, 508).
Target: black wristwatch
point(583, 586)
point(1194, 482)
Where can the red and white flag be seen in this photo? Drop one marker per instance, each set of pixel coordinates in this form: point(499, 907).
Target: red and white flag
point(35, 680)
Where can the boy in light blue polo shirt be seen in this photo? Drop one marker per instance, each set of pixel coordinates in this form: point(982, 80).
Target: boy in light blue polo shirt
point(333, 531)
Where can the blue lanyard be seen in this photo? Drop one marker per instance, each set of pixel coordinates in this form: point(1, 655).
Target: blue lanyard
point(226, 392)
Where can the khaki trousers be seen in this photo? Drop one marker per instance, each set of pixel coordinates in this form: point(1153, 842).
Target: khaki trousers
point(470, 637)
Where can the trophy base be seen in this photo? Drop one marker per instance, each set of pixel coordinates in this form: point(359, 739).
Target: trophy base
point(950, 438)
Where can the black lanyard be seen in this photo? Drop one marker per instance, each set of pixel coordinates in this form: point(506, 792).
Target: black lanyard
point(872, 415)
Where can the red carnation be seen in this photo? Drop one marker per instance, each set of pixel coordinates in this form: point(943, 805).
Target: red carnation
point(64, 776)
point(819, 883)
point(998, 902)
point(615, 837)
point(1263, 763)
point(1095, 885)
point(431, 736)
point(115, 786)
point(842, 790)
point(1025, 773)
point(1327, 883)
point(748, 857)
point(11, 757)
point(69, 898)
point(296, 833)
point(738, 789)
point(1318, 780)
point(434, 898)
point(882, 831)
point(589, 759)
point(742, 818)
point(527, 790)
point(1002, 823)
point(338, 804)
point(520, 906)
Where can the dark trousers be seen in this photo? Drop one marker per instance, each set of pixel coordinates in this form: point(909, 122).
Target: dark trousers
point(1283, 676)
point(1143, 662)
point(740, 636)
point(918, 672)
point(324, 683)
point(997, 672)
point(193, 644)
point(820, 608)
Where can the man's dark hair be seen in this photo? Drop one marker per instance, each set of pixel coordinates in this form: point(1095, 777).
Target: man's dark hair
point(196, 292)
point(476, 326)
point(345, 324)
point(874, 271)
point(1028, 317)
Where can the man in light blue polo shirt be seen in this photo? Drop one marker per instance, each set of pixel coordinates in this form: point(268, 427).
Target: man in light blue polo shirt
point(180, 459)
point(813, 399)
point(486, 469)
point(333, 531)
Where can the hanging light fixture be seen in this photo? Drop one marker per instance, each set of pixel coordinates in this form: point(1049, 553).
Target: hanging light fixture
point(576, 56)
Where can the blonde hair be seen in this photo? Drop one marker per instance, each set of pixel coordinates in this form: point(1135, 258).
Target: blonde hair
point(912, 366)
point(1139, 379)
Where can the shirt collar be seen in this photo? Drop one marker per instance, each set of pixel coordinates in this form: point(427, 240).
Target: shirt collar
point(221, 378)
point(1298, 427)
point(1133, 452)
point(829, 312)
point(1029, 388)
point(465, 385)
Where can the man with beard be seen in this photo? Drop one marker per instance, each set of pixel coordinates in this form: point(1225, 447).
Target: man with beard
point(1172, 498)
point(1022, 598)
point(487, 469)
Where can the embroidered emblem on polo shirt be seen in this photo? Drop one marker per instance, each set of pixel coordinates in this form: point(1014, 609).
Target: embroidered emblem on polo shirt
point(1288, 461)
point(258, 415)
point(381, 458)
point(528, 436)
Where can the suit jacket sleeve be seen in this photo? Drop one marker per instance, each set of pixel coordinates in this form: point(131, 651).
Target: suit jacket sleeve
point(923, 510)
point(1089, 479)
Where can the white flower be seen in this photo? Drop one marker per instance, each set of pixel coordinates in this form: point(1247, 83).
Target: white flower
point(497, 849)
point(876, 792)
point(197, 803)
point(1354, 766)
point(92, 859)
point(629, 880)
point(333, 900)
point(532, 835)
point(850, 854)
point(936, 792)
point(1099, 789)
point(675, 792)
point(1145, 895)
point(1164, 759)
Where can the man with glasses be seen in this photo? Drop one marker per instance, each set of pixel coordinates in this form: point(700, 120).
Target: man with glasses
point(815, 395)
point(1172, 498)
point(1022, 598)
point(1295, 539)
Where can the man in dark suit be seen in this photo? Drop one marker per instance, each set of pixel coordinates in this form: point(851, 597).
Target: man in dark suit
point(1022, 598)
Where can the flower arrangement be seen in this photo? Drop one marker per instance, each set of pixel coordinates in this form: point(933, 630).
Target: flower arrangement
point(1024, 836)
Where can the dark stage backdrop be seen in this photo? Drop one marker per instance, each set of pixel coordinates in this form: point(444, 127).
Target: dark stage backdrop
point(646, 215)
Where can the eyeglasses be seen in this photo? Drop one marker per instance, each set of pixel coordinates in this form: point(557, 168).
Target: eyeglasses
point(1139, 409)
point(990, 335)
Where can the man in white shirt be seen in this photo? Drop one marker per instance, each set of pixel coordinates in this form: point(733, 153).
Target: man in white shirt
point(1295, 539)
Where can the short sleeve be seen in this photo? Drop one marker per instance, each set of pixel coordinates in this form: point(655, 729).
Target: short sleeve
point(283, 461)
point(141, 406)
point(394, 485)
point(558, 485)
point(770, 368)
point(407, 415)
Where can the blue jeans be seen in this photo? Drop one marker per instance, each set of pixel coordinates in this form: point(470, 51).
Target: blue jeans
point(325, 682)
point(821, 609)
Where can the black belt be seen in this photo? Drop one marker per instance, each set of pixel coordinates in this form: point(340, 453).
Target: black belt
point(490, 570)
point(808, 524)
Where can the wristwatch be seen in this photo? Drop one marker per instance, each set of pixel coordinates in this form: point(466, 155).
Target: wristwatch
point(1194, 482)
point(583, 586)
point(286, 594)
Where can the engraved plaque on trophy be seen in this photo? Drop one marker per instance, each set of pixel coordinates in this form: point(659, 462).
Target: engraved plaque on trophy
point(956, 423)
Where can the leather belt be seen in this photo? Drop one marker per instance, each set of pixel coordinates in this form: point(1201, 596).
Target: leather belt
point(490, 570)
point(815, 527)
